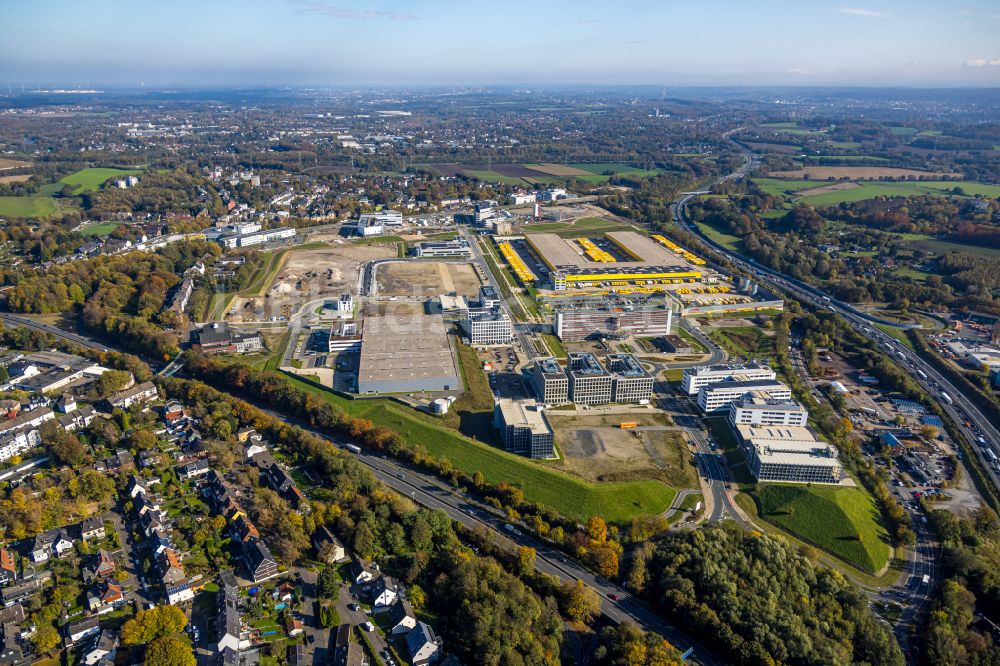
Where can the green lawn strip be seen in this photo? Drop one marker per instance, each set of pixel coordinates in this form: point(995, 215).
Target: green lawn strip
point(582, 226)
point(726, 240)
point(102, 229)
point(683, 511)
point(88, 180)
point(371, 240)
point(841, 521)
point(27, 206)
point(571, 497)
point(555, 346)
point(722, 433)
point(897, 333)
point(602, 168)
point(691, 340)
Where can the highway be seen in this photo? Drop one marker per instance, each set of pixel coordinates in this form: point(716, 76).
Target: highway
point(17, 320)
point(921, 560)
point(617, 604)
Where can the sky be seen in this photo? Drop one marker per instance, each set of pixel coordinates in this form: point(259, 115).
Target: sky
point(469, 42)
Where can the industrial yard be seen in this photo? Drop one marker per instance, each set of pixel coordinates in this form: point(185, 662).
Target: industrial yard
point(427, 279)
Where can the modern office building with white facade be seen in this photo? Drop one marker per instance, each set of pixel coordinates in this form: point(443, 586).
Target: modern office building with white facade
point(789, 453)
point(760, 408)
point(695, 378)
point(611, 321)
point(630, 382)
point(589, 382)
point(550, 381)
point(488, 326)
point(524, 428)
point(716, 397)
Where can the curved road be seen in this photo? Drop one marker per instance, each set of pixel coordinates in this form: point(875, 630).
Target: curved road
point(17, 320)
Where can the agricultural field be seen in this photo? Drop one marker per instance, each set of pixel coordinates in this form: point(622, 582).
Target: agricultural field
point(27, 206)
point(570, 496)
point(102, 229)
point(842, 521)
point(88, 180)
point(856, 173)
point(7, 163)
point(819, 193)
point(774, 148)
point(23, 178)
point(540, 174)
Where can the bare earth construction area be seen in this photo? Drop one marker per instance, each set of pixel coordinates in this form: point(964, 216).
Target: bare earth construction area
point(427, 279)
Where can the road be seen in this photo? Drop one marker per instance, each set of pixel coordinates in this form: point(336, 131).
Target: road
point(83, 341)
point(921, 558)
point(526, 346)
point(617, 604)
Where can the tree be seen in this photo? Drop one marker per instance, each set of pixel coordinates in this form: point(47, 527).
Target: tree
point(418, 598)
point(580, 602)
point(328, 583)
point(154, 623)
point(597, 529)
point(169, 651)
point(46, 639)
point(141, 440)
point(112, 381)
point(526, 559)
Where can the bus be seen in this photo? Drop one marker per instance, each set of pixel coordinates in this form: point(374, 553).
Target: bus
point(354, 448)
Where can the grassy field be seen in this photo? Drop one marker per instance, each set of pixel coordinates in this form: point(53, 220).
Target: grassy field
point(591, 225)
point(88, 180)
point(567, 495)
point(748, 341)
point(494, 177)
point(938, 246)
point(871, 189)
point(27, 206)
point(842, 521)
point(102, 229)
point(728, 241)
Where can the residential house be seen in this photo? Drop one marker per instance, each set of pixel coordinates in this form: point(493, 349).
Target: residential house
point(244, 530)
point(11, 653)
point(169, 567)
point(104, 647)
point(293, 626)
point(135, 487)
point(51, 542)
point(102, 565)
point(424, 647)
point(328, 546)
point(173, 412)
point(77, 631)
point(8, 566)
point(105, 597)
point(345, 651)
point(383, 592)
point(12, 614)
point(401, 617)
point(20, 592)
point(66, 403)
point(180, 593)
point(259, 562)
point(79, 419)
point(361, 571)
point(193, 469)
point(158, 542)
point(92, 529)
point(297, 655)
point(138, 394)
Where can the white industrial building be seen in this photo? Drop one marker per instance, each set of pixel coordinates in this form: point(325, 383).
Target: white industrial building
point(385, 218)
point(488, 326)
point(760, 408)
point(452, 248)
point(717, 397)
point(695, 378)
point(789, 453)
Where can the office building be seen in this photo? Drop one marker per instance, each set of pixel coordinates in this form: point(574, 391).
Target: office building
point(716, 397)
point(759, 408)
point(613, 321)
point(484, 210)
point(589, 382)
point(344, 303)
point(488, 297)
point(523, 428)
point(345, 338)
point(788, 453)
point(488, 326)
point(630, 382)
point(452, 248)
point(385, 218)
point(694, 379)
point(550, 382)
point(219, 337)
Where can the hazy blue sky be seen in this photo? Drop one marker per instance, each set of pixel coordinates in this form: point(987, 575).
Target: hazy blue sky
point(663, 42)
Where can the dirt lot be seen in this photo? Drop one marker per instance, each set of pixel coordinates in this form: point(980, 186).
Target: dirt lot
point(15, 179)
point(856, 172)
point(594, 448)
point(836, 187)
point(427, 279)
point(309, 275)
point(7, 163)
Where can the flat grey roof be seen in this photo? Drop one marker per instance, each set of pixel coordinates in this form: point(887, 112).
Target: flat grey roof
point(405, 348)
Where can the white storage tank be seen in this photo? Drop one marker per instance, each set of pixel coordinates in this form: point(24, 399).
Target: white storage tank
point(440, 406)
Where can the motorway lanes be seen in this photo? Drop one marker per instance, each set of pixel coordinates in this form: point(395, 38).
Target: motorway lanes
point(14, 320)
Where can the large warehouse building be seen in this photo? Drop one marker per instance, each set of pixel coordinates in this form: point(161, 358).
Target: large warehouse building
point(403, 354)
point(622, 257)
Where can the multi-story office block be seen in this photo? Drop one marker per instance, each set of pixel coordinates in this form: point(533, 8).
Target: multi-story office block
point(550, 382)
point(589, 382)
point(695, 378)
point(760, 408)
point(523, 428)
point(717, 397)
point(488, 326)
point(630, 382)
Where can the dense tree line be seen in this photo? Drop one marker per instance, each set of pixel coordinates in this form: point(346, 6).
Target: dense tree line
point(177, 191)
point(970, 569)
point(758, 601)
